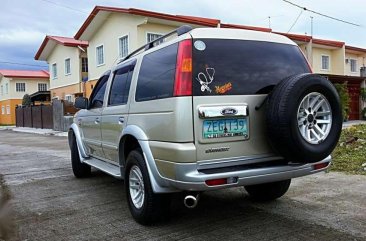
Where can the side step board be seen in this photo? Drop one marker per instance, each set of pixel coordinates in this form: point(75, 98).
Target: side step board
point(106, 167)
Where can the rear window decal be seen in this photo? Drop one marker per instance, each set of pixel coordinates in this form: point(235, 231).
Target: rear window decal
point(223, 88)
point(204, 81)
point(199, 45)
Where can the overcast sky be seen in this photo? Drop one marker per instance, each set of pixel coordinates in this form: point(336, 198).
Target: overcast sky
point(24, 23)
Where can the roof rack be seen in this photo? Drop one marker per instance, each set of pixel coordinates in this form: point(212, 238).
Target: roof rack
point(179, 31)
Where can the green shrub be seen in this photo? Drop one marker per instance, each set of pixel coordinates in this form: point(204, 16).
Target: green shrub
point(363, 94)
point(363, 114)
point(344, 97)
point(26, 100)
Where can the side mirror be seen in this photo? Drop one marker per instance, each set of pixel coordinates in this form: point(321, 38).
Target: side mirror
point(81, 103)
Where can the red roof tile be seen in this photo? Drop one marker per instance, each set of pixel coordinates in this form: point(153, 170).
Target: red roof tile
point(65, 41)
point(355, 49)
point(332, 43)
point(179, 18)
point(296, 37)
point(25, 73)
point(227, 25)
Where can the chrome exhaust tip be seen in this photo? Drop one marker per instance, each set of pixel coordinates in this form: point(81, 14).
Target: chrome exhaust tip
point(191, 201)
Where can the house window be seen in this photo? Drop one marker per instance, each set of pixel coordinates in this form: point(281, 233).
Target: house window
point(353, 65)
point(54, 71)
point(8, 109)
point(325, 62)
point(100, 55)
point(123, 46)
point(6, 88)
point(67, 66)
point(42, 87)
point(2, 90)
point(84, 64)
point(20, 87)
point(152, 37)
point(3, 110)
point(68, 98)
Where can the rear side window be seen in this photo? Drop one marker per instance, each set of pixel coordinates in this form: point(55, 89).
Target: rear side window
point(241, 67)
point(121, 85)
point(157, 74)
point(97, 97)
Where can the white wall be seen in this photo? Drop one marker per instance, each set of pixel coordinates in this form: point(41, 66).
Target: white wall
point(58, 56)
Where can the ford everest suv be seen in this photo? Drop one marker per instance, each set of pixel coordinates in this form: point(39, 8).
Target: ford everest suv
point(206, 109)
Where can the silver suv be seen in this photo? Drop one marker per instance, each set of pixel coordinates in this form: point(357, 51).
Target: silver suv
point(206, 109)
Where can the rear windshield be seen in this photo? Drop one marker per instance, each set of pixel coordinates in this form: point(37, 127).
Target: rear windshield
point(241, 67)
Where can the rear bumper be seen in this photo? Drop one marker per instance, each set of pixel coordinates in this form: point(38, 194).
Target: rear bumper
point(188, 177)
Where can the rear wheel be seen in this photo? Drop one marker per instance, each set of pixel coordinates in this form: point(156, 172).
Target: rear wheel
point(80, 169)
point(268, 191)
point(145, 205)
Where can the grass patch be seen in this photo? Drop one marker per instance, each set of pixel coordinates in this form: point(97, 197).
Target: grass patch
point(350, 152)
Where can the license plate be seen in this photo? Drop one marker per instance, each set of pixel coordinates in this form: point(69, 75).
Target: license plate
point(225, 128)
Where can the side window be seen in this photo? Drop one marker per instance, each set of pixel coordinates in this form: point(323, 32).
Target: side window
point(120, 87)
point(157, 74)
point(97, 97)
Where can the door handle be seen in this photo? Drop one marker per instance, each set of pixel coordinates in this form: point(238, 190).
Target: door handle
point(97, 121)
point(121, 120)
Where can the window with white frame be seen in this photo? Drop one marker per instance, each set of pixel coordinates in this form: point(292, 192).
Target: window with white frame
point(353, 64)
point(67, 66)
point(100, 55)
point(68, 98)
point(123, 46)
point(54, 71)
point(42, 87)
point(2, 90)
point(20, 87)
point(8, 109)
point(152, 36)
point(325, 62)
point(7, 88)
point(3, 110)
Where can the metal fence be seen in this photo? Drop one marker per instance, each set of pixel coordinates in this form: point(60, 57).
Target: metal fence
point(39, 116)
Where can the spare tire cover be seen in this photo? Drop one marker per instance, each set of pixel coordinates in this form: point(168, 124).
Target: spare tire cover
point(304, 118)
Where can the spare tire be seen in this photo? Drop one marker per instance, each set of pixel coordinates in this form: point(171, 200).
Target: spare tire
point(304, 118)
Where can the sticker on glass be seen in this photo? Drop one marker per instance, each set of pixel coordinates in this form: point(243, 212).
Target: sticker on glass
point(206, 78)
point(199, 45)
point(223, 88)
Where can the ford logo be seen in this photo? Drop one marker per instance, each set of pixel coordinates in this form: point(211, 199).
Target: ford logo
point(229, 111)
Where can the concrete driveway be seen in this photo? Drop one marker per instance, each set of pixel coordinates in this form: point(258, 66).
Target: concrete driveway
point(50, 204)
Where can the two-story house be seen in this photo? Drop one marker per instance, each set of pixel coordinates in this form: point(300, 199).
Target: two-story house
point(68, 66)
point(14, 84)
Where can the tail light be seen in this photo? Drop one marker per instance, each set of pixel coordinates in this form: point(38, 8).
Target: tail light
point(320, 165)
point(183, 72)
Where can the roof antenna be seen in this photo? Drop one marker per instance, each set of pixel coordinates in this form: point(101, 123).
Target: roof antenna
point(311, 29)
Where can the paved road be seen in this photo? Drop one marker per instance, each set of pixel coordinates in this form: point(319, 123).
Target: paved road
point(50, 204)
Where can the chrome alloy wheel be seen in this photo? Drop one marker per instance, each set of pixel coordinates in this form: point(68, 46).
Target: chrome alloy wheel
point(314, 117)
point(136, 186)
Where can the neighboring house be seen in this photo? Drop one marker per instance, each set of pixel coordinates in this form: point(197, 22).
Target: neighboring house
point(68, 66)
point(339, 63)
point(14, 84)
point(113, 33)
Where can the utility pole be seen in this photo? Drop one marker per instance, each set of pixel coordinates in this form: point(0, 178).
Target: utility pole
point(269, 21)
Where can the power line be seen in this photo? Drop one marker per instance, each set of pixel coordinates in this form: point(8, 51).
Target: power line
point(295, 21)
point(321, 14)
point(14, 63)
point(64, 6)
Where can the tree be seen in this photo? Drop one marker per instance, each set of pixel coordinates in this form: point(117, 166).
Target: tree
point(26, 100)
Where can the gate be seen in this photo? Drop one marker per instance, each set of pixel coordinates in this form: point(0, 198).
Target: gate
point(40, 116)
